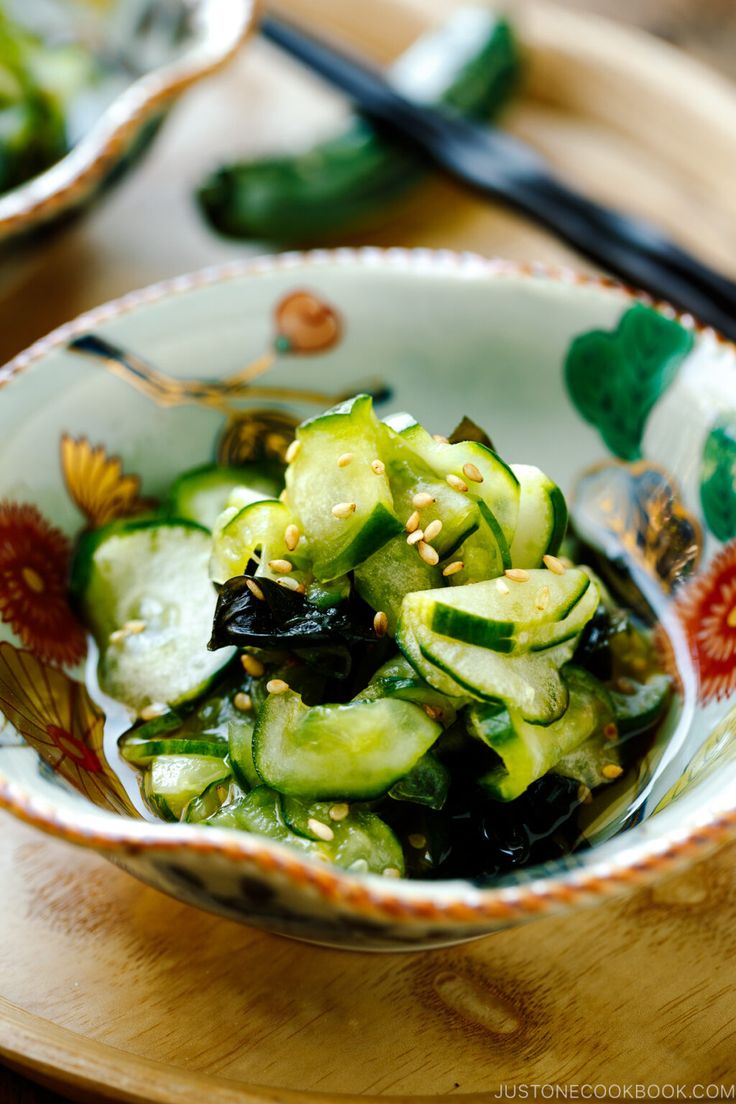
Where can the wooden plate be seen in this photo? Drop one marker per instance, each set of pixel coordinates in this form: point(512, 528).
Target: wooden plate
point(109, 991)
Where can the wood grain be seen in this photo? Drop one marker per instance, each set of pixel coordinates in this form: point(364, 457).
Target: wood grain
point(111, 991)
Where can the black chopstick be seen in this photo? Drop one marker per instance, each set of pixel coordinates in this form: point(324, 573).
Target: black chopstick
point(498, 164)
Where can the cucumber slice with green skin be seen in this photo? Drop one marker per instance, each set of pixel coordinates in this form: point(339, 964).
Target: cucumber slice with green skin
point(315, 484)
point(641, 710)
point(485, 554)
point(398, 679)
point(202, 493)
point(542, 520)
point(240, 742)
point(530, 683)
point(527, 751)
point(140, 752)
point(210, 801)
point(386, 577)
point(353, 752)
point(258, 530)
point(325, 595)
point(508, 619)
point(145, 593)
point(489, 722)
point(172, 781)
point(361, 840)
point(427, 783)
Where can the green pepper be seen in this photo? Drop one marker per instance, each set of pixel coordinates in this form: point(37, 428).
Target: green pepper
point(470, 64)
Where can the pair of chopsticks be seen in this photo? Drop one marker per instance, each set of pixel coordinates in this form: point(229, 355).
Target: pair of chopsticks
point(498, 165)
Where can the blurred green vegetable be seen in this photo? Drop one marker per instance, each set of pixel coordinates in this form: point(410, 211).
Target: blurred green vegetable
point(471, 64)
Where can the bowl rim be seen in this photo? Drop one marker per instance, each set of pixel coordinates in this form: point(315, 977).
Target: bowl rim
point(640, 859)
point(224, 25)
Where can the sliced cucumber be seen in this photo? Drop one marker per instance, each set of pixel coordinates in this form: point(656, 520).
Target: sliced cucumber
point(258, 531)
point(427, 783)
point(353, 751)
point(360, 840)
point(210, 801)
point(144, 591)
point(527, 751)
point(640, 710)
point(141, 751)
point(398, 679)
point(513, 617)
point(485, 554)
point(316, 483)
point(489, 722)
point(173, 780)
point(542, 521)
point(240, 741)
point(386, 577)
point(202, 493)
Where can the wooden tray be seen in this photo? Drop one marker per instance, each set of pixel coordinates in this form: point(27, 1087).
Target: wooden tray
point(110, 991)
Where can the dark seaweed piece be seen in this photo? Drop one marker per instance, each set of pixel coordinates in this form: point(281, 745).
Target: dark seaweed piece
point(468, 430)
point(593, 651)
point(286, 619)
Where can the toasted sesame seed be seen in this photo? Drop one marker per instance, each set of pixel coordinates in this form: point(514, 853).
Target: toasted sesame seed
point(440, 439)
point(132, 628)
point(428, 553)
point(255, 590)
point(554, 565)
point(320, 830)
point(585, 795)
point(339, 811)
point(422, 499)
point(473, 473)
point(626, 686)
point(378, 467)
point(416, 839)
point(293, 451)
point(417, 535)
point(360, 866)
point(284, 497)
point(391, 872)
point(291, 536)
point(517, 574)
point(610, 731)
point(343, 509)
point(344, 459)
point(380, 623)
point(541, 600)
point(281, 567)
point(566, 561)
point(289, 583)
point(243, 702)
point(277, 686)
point(433, 712)
point(155, 709)
point(251, 665)
point(117, 635)
point(433, 530)
point(502, 587)
point(456, 482)
point(412, 522)
point(453, 568)
point(612, 770)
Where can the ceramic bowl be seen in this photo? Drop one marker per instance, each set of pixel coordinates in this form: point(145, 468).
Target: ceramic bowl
point(623, 402)
point(159, 50)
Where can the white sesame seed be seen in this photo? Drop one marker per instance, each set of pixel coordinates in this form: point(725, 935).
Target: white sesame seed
point(433, 530)
point(541, 600)
point(132, 628)
point(322, 831)
point(117, 636)
point(453, 568)
point(428, 553)
point(339, 811)
point(293, 451)
point(155, 709)
point(412, 523)
point(255, 590)
point(360, 866)
point(422, 499)
point(277, 686)
point(281, 567)
point(554, 565)
point(289, 583)
point(517, 574)
point(473, 473)
point(243, 702)
point(502, 587)
point(380, 623)
point(391, 872)
point(251, 665)
point(417, 840)
point(343, 509)
point(291, 536)
point(344, 459)
point(612, 770)
point(416, 536)
point(284, 497)
point(456, 482)
point(378, 467)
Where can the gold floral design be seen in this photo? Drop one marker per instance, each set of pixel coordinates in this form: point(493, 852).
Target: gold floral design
point(639, 504)
point(57, 717)
point(96, 482)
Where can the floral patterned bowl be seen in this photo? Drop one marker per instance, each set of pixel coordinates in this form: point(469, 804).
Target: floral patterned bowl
point(622, 400)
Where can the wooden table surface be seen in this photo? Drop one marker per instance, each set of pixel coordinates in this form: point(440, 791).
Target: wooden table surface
point(148, 230)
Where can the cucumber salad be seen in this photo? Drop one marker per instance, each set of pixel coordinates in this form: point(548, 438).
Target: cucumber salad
point(379, 653)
